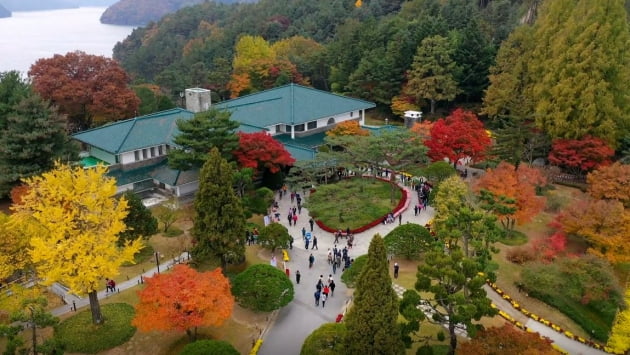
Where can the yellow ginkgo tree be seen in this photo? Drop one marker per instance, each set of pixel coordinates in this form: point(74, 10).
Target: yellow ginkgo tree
point(13, 246)
point(72, 220)
point(619, 340)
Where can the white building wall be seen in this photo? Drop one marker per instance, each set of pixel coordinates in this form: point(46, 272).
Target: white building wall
point(127, 158)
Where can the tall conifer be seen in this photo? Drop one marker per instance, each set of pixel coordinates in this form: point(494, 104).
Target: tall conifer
point(371, 322)
point(219, 225)
point(580, 68)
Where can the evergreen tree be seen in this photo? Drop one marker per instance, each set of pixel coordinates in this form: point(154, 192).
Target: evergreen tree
point(581, 67)
point(33, 139)
point(139, 221)
point(371, 322)
point(219, 224)
point(12, 90)
point(457, 291)
point(432, 73)
point(473, 54)
point(198, 135)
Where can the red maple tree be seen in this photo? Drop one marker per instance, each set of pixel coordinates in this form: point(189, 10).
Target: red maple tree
point(459, 135)
point(259, 151)
point(183, 300)
point(580, 155)
point(90, 89)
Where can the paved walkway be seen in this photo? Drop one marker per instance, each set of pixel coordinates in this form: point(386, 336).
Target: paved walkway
point(300, 318)
point(75, 302)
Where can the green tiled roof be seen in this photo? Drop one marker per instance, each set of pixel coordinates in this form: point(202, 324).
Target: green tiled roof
point(159, 171)
point(136, 133)
point(290, 104)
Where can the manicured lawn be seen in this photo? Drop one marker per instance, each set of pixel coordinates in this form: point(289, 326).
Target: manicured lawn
point(352, 203)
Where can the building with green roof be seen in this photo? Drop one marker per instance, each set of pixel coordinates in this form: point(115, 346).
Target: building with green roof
point(136, 148)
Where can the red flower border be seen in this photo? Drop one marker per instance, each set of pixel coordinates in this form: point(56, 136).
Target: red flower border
point(400, 207)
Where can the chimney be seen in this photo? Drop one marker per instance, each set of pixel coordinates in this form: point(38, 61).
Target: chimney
point(198, 100)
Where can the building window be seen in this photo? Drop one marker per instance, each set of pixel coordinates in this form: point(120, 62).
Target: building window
point(160, 150)
point(145, 154)
point(136, 155)
point(278, 128)
point(168, 148)
point(299, 127)
point(331, 121)
point(152, 152)
point(312, 125)
point(351, 113)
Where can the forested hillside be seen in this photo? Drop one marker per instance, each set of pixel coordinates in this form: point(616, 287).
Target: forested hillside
point(141, 12)
point(367, 49)
point(404, 55)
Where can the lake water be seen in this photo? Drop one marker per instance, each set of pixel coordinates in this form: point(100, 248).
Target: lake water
point(29, 36)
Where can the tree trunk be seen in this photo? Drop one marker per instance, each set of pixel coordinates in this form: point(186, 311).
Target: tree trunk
point(34, 335)
point(432, 106)
point(95, 308)
point(224, 264)
point(192, 334)
point(451, 331)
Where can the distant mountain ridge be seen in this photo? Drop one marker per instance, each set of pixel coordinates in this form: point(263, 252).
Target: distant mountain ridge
point(41, 5)
point(141, 12)
point(4, 12)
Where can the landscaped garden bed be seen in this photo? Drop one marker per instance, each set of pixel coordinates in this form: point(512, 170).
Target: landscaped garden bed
point(357, 203)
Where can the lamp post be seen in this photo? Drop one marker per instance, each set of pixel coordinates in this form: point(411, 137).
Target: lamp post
point(387, 121)
point(181, 99)
point(157, 261)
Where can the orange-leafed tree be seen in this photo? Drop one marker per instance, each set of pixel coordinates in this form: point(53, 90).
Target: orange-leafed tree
point(348, 128)
point(183, 300)
point(260, 151)
point(422, 129)
point(610, 182)
point(514, 189)
point(506, 340)
point(402, 103)
point(604, 224)
point(460, 135)
point(90, 89)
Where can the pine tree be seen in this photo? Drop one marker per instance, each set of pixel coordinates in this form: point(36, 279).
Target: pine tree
point(432, 73)
point(581, 68)
point(371, 322)
point(200, 134)
point(33, 139)
point(140, 222)
point(219, 225)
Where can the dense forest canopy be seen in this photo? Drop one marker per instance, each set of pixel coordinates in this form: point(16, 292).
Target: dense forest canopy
point(367, 48)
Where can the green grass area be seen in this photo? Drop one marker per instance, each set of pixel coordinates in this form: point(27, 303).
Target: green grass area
point(352, 203)
point(79, 335)
point(515, 238)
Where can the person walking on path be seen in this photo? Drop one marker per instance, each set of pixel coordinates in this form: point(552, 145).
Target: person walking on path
point(311, 222)
point(314, 243)
point(311, 261)
point(400, 219)
point(332, 288)
point(334, 267)
point(298, 276)
point(306, 241)
point(317, 295)
point(303, 232)
point(290, 218)
point(324, 297)
point(396, 267)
